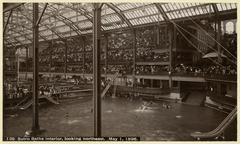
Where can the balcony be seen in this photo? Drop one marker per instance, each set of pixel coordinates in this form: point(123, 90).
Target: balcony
point(217, 77)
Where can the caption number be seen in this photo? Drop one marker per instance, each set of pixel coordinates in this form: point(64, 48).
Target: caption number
point(10, 138)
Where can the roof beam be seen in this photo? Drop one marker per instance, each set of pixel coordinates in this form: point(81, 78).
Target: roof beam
point(24, 35)
point(25, 27)
point(39, 19)
point(83, 13)
point(5, 26)
point(27, 13)
point(11, 6)
point(43, 24)
point(162, 12)
point(15, 39)
point(71, 25)
point(120, 14)
point(216, 12)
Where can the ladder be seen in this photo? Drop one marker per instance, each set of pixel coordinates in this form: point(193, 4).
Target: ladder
point(20, 103)
point(26, 105)
point(109, 84)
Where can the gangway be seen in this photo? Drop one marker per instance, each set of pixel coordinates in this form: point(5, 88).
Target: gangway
point(109, 84)
point(219, 131)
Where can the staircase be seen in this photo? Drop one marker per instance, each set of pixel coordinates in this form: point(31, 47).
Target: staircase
point(195, 98)
point(26, 105)
point(109, 84)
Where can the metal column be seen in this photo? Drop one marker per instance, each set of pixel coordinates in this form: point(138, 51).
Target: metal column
point(65, 60)
point(218, 39)
point(84, 54)
point(50, 59)
point(26, 62)
point(170, 55)
point(97, 70)
point(134, 56)
point(35, 126)
point(106, 54)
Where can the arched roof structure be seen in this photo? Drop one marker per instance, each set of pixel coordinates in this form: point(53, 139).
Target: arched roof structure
point(61, 20)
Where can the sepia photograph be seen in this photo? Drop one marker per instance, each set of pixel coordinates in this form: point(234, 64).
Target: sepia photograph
point(157, 71)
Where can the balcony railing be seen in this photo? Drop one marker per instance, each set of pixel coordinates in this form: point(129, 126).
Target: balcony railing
point(221, 77)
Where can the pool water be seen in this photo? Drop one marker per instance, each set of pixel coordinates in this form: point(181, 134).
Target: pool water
point(120, 117)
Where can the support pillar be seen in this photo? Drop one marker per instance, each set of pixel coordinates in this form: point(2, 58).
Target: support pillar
point(35, 131)
point(134, 57)
point(218, 39)
point(158, 36)
point(35, 126)
point(97, 70)
point(26, 63)
point(84, 54)
point(65, 60)
point(106, 54)
point(50, 59)
point(170, 55)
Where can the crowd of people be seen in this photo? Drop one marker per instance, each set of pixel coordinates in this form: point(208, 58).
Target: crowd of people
point(120, 40)
point(75, 57)
point(145, 37)
point(44, 59)
point(151, 69)
point(125, 69)
point(149, 55)
point(119, 55)
point(74, 46)
point(212, 70)
point(78, 68)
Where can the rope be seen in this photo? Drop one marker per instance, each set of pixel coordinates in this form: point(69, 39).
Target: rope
point(211, 37)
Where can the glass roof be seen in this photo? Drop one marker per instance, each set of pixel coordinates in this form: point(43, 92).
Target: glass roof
point(61, 20)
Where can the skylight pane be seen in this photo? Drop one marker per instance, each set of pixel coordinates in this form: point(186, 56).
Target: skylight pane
point(219, 7)
point(224, 7)
point(176, 15)
point(234, 6)
point(170, 6)
point(167, 7)
point(181, 5)
point(228, 5)
point(164, 8)
point(132, 22)
point(186, 5)
point(189, 12)
point(193, 11)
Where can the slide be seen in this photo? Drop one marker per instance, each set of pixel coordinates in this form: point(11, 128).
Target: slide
point(109, 84)
point(26, 105)
point(50, 99)
point(219, 130)
point(20, 103)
